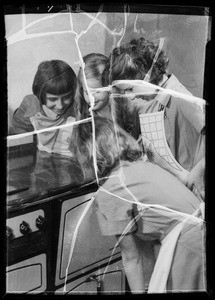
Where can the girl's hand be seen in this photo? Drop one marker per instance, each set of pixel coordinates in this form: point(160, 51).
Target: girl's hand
point(152, 154)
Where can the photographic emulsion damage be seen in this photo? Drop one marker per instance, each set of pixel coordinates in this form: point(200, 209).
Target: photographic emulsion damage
point(106, 148)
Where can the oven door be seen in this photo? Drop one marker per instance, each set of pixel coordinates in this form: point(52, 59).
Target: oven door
point(27, 276)
point(81, 246)
point(98, 282)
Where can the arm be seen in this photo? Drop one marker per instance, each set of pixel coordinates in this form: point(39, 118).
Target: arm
point(196, 180)
point(20, 124)
point(132, 262)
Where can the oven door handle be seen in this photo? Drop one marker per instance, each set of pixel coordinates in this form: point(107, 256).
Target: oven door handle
point(99, 283)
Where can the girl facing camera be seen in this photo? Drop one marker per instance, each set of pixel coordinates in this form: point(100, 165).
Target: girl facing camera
point(50, 105)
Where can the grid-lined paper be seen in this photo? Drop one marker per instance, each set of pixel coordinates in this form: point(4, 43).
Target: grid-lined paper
point(152, 128)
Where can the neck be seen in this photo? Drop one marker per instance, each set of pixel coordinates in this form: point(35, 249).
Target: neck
point(105, 112)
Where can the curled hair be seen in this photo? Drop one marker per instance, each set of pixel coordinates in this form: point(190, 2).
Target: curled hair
point(55, 77)
point(112, 144)
point(133, 60)
point(121, 107)
point(94, 66)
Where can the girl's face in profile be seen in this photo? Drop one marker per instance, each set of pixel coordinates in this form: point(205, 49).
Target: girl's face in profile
point(135, 91)
point(59, 103)
point(101, 97)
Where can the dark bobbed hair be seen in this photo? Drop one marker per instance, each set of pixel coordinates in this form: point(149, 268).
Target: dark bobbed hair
point(94, 67)
point(133, 60)
point(112, 144)
point(55, 77)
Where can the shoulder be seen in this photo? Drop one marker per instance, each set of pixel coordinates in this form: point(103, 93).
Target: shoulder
point(180, 94)
point(139, 168)
point(187, 110)
point(30, 105)
point(188, 105)
point(174, 84)
point(30, 100)
point(181, 99)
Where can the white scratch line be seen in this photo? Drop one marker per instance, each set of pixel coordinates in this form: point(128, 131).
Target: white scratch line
point(50, 8)
point(75, 236)
point(175, 214)
point(135, 23)
point(82, 64)
point(112, 32)
point(21, 135)
point(94, 149)
point(23, 18)
point(124, 27)
point(21, 34)
point(137, 217)
point(161, 43)
point(139, 83)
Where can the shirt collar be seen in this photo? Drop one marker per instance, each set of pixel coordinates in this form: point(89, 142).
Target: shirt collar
point(162, 97)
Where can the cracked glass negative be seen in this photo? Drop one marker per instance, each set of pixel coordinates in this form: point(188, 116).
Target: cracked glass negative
point(70, 32)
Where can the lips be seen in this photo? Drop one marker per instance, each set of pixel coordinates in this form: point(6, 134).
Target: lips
point(96, 102)
point(59, 112)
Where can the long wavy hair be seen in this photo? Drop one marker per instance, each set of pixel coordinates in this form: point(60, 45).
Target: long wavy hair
point(133, 60)
point(121, 109)
point(112, 144)
point(94, 67)
point(55, 77)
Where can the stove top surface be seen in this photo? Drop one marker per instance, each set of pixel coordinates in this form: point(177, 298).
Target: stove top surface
point(34, 175)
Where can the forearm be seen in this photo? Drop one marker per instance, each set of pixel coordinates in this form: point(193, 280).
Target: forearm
point(134, 272)
point(132, 263)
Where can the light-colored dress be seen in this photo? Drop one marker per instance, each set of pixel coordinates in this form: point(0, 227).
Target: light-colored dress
point(151, 185)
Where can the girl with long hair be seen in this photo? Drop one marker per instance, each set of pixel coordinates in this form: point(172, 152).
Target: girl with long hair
point(138, 201)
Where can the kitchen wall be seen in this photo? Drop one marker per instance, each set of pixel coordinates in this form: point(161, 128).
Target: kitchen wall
point(34, 37)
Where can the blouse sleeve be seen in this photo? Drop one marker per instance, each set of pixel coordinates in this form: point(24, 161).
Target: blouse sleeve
point(115, 216)
point(21, 117)
point(193, 113)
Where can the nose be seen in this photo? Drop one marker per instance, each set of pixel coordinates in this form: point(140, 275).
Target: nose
point(130, 95)
point(58, 104)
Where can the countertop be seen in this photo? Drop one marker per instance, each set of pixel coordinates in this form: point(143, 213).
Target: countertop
point(34, 175)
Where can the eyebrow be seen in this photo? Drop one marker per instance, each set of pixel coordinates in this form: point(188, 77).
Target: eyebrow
point(51, 97)
point(56, 96)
